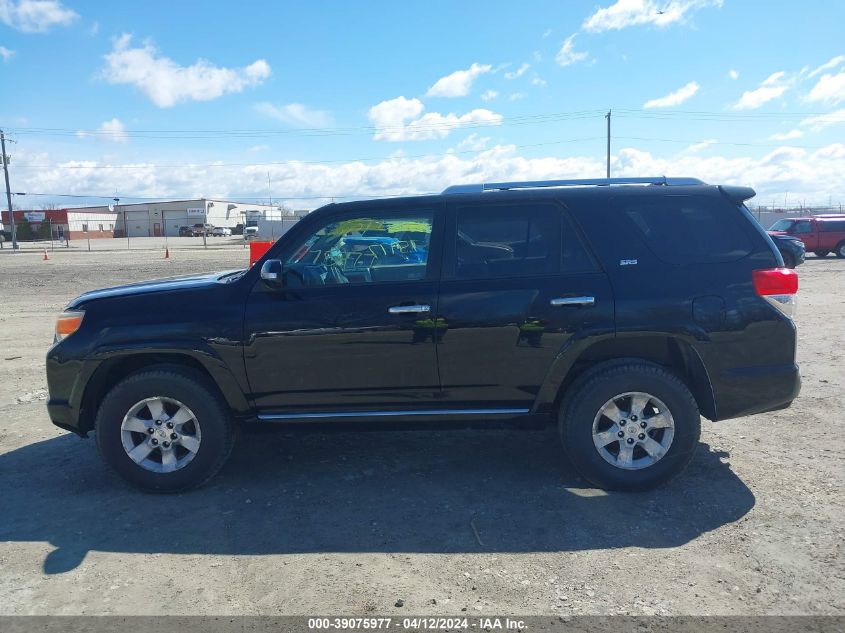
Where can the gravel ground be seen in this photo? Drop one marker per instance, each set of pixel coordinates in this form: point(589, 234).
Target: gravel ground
point(448, 523)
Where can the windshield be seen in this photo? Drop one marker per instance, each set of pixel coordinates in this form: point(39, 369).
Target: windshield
point(782, 225)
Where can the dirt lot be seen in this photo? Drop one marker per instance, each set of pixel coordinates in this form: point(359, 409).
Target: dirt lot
point(489, 522)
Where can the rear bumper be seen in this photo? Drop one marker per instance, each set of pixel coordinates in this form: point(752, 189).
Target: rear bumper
point(749, 390)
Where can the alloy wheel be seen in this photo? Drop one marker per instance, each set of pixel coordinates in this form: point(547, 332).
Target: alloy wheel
point(160, 434)
point(633, 430)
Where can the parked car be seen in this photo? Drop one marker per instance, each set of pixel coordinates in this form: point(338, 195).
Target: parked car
point(821, 234)
point(221, 231)
point(238, 230)
point(186, 231)
point(620, 314)
point(250, 232)
point(202, 229)
point(791, 249)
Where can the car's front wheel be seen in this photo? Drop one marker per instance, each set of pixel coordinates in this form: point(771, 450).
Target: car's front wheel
point(840, 250)
point(164, 430)
point(629, 426)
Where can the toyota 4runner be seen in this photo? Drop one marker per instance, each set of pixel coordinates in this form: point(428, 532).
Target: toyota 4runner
point(619, 310)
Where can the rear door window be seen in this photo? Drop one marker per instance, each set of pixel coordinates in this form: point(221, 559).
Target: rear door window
point(689, 229)
point(832, 226)
point(507, 241)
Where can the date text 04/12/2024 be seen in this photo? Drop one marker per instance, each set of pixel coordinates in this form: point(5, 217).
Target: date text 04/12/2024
point(417, 623)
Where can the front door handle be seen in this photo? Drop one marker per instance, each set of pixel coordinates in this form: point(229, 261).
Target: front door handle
point(414, 309)
point(573, 301)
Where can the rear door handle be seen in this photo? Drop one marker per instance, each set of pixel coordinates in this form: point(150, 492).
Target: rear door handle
point(414, 309)
point(573, 301)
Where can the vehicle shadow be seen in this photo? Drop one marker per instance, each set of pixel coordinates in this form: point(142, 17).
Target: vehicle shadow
point(423, 491)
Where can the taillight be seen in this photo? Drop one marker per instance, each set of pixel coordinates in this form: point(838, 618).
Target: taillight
point(778, 286)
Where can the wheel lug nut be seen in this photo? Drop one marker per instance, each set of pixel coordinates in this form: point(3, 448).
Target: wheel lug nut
point(155, 442)
point(641, 436)
point(620, 434)
point(151, 430)
point(166, 444)
point(158, 422)
point(170, 425)
point(630, 440)
point(173, 436)
point(633, 418)
point(643, 424)
point(623, 422)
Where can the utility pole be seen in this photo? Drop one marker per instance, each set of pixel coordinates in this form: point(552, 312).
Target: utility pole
point(8, 191)
point(607, 116)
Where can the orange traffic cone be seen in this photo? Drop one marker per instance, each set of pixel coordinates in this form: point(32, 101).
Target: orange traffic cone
point(166, 253)
point(45, 255)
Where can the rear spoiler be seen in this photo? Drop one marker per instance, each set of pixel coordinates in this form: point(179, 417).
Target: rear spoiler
point(737, 194)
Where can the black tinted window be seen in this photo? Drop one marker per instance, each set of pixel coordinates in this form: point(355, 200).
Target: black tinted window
point(830, 226)
point(689, 229)
point(507, 241)
point(574, 257)
point(803, 226)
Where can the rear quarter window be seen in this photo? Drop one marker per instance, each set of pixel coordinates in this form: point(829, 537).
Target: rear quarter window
point(689, 229)
point(832, 226)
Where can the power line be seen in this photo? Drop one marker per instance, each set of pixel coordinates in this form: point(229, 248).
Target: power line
point(183, 165)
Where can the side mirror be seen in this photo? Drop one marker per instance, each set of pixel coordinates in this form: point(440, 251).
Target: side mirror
point(271, 272)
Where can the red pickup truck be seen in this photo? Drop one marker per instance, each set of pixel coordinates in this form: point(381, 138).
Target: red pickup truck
point(820, 234)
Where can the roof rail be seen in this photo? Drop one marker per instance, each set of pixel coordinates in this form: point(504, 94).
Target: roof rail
point(531, 184)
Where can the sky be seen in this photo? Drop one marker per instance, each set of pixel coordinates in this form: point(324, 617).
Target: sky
point(306, 103)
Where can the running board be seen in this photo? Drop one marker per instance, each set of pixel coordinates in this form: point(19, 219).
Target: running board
point(270, 417)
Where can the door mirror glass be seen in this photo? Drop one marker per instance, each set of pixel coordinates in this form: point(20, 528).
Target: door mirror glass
point(271, 272)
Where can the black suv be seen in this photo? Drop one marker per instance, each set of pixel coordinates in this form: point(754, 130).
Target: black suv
point(620, 310)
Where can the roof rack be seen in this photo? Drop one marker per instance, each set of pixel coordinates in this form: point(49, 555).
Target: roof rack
point(531, 184)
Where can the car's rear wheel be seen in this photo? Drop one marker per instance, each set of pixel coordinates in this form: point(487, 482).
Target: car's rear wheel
point(630, 425)
point(821, 253)
point(164, 430)
point(840, 250)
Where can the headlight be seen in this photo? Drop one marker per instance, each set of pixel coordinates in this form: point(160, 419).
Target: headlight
point(67, 323)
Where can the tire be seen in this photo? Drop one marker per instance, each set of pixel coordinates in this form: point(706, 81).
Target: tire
point(788, 260)
point(821, 253)
point(840, 250)
point(201, 423)
point(580, 413)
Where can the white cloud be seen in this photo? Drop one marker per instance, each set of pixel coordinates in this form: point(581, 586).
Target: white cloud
point(6, 53)
point(402, 119)
point(814, 175)
point(459, 83)
point(519, 72)
point(625, 13)
point(111, 130)
point(166, 83)
point(546, 33)
point(829, 89)
point(35, 16)
point(786, 136)
point(516, 96)
point(114, 130)
point(489, 95)
point(833, 63)
point(820, 122)
point(733, 74)
point(567, 55)
point(295, 114)
point(684, 93)
point(536, 80)
point(258, 148)
point(474, 142)
point(697, 147)
point(772, 88)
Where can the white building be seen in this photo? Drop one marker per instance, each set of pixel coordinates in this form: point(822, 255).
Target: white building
point(154, 219)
